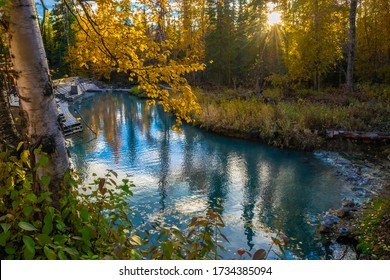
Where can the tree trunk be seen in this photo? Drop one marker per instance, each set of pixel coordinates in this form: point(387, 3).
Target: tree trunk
point(36, 92)
point(352, 42)
point(358, 135)
point(8, 133)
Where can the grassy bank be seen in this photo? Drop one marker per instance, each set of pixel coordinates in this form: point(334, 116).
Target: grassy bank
point(297, 120)
point(373, 232)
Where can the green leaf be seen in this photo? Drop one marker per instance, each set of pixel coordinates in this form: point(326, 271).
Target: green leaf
point(27, 226)
point(44, 239)
point(27, 210)
point(135, 255)
point(10, 250)
point(62, 256)
point(29, 247)
point(48, 218)
point(31, 197)
point(43, 196)
point(4, 236)
point(84, 214)
point(71, 251)
point(5, 227)
point(167, 249)
point(47, 228)
point(45, 180)
point(43, 161)
point(86, 236)
point(49, 253)
point(60, 225)
point(15, 204)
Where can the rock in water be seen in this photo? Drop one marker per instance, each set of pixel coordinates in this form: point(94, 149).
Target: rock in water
point(328, 220)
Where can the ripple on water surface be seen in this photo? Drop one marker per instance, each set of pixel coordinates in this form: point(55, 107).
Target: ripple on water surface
point(261, 190)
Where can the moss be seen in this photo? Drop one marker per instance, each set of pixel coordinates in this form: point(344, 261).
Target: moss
point(374, 230)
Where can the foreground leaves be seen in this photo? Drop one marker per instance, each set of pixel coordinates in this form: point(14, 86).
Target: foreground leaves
point(92, 222)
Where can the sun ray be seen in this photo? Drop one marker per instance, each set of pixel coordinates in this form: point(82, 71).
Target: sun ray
point(274, 17)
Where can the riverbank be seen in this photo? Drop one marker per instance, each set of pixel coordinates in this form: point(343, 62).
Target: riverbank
point(299, 122)
point(359, 228)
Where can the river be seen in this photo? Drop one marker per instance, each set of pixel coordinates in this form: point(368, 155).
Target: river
point(261, 190)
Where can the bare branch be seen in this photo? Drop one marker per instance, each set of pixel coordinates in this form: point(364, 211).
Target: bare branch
point(42, 27)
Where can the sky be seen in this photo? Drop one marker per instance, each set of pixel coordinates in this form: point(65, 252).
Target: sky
point(48, 3)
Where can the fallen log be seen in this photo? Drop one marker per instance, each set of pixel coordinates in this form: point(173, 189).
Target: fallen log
point(358, 135)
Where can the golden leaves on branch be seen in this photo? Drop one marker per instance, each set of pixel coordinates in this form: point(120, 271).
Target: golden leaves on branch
point(138, 38)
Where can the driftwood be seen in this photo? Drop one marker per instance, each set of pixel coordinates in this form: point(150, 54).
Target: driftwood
point(358, 135)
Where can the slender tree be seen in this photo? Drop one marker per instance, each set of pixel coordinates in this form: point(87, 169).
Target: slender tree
point(352, 42)
point(36, 94)
point(314, 36)
point(372, 61)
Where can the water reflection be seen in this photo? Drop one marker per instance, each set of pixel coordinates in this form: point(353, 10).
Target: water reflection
point(261, 189)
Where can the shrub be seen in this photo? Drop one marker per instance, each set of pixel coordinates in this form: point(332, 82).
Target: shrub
point(135, 91)
point(92, 222)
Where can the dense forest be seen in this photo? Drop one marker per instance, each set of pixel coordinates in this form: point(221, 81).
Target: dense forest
point(319, 58)
point(252, 44)
point(288, 73)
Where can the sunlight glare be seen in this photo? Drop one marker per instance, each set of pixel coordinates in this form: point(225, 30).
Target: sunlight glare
point(274, 17)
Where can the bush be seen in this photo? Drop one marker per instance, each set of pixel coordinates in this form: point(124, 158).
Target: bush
point(373, 229)
point(92, 222)
point(293, 123)
point(135, 91)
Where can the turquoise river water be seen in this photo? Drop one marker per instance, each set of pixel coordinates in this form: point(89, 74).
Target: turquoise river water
point(262, 190)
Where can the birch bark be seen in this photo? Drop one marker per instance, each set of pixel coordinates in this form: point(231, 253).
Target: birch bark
point(36, 92)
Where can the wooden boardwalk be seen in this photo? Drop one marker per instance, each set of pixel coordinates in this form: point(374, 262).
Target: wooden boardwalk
point(73, 88)
point(69, 124)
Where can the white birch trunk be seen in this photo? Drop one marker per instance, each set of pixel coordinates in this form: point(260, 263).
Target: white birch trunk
point(35, 90)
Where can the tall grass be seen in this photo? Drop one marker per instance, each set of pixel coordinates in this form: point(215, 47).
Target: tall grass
point(297, 122)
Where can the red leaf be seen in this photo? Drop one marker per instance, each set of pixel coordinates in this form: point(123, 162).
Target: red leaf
point(285, 239)
point(260, 254)
point(241, 252)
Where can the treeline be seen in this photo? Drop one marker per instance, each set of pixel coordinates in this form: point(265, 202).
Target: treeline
point(234, 39)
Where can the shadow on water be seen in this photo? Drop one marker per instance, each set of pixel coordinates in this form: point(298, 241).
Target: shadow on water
point(261, 190)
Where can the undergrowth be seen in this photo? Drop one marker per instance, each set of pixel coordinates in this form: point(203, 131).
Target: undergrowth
point(373, 233)
point(93, 221)
point(295, 121)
